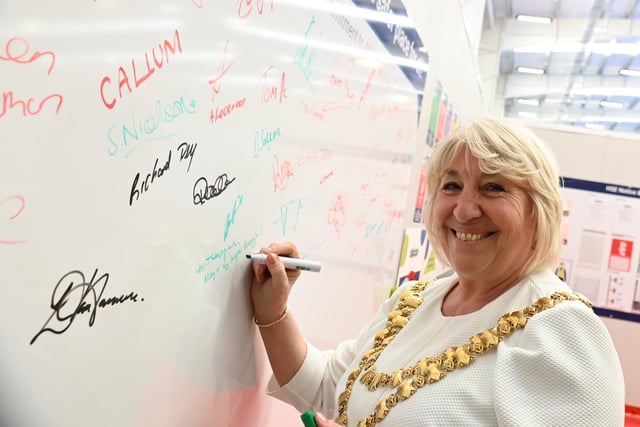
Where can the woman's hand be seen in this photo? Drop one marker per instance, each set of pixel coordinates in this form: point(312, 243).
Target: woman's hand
point(272, 283)
point(322, 421)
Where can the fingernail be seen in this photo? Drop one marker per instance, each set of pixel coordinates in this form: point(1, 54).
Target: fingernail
point(272, 258)
point(321, 417)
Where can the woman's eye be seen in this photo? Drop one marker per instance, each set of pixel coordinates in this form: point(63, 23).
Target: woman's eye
point(449, 186)
point(494, 187)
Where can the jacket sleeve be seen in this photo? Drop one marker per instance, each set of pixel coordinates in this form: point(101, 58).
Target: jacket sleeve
point(562, 371)
point(314, 385)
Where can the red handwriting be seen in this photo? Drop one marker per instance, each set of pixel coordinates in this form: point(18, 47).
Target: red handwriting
point(198, 5)
point(308, 157)
point(365, 90)
point(281, 174)
point(313, 110)
point(17, 48)
point(271, 92)
point(14, 215)
point(394, 215)
point(326, 177)
point(375, 111)
point(221, 113)
point(336, 216)
point(160, 57)
point(215, 82)
point(245, 7)
point(343, 82)
point(28, 109)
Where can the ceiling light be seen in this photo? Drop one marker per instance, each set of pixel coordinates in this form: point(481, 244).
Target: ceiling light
point(611, 119)
point(524, 101)
point(614, 47)
point(530, 70)
point(628, 72)
point(610, 48)
point(611, 104)
point(536, 19)
point(606, 91)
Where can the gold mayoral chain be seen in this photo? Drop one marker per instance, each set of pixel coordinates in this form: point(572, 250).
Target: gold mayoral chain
point(430, 369)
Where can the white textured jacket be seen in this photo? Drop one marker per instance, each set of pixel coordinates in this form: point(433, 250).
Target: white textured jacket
point(560, 370)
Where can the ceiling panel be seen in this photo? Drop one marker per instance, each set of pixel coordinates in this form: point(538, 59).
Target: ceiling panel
point(581, 52)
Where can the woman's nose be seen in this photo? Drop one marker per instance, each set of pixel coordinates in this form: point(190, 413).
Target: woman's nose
point(467, 207)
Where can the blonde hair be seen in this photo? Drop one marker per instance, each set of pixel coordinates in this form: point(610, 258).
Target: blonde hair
point(510, 150)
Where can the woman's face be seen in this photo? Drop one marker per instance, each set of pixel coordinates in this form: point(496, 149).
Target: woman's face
point(486, 222)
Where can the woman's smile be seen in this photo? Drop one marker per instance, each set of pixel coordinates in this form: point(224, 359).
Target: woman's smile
point(470, 237)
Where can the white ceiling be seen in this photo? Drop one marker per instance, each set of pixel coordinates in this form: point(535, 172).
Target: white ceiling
point(581, 51)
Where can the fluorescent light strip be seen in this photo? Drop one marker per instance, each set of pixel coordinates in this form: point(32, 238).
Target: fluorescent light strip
point(628, 72)
point(352, 10)
point(418, 65)
point(602, 48)
point(606, 91)
point(610, 119)
point(530, 70)
point(524, 101)
point(611, 104)
point(536, 19)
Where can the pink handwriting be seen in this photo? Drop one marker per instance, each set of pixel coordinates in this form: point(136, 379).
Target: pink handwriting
point(313, 110)
point(326, 177)
point(23, 48)
point(245, 7)
point(17, 50)
point(281, 174)
point(343, 82)
point(160, 57)
point(336, 216)
point(271, 92)
point(28, 109)
point(221, 113)
point(308, 157)
point(18, 211)
point(224, 68)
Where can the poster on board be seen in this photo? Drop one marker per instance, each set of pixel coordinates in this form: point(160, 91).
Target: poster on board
point(600, 257)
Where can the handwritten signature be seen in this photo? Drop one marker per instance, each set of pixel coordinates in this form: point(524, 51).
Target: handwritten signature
point(73, 295)
point(16, 49)
point(202, 191)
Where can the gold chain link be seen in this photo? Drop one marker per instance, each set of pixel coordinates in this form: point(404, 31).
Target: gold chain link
point(408, 380)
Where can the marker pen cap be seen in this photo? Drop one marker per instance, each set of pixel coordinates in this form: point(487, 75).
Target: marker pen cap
point(309, 419)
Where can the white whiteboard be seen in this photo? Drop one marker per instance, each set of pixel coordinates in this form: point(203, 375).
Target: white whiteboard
point(146, 148)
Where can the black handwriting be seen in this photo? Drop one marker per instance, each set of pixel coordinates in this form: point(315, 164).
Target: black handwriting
point(73, 295)
point(202, 191)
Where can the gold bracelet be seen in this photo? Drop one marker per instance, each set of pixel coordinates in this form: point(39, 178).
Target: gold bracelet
point(275, 322)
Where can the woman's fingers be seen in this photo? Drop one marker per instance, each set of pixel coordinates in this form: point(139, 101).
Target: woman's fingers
point(322, 421)
point(282, 248)
point(276, 268)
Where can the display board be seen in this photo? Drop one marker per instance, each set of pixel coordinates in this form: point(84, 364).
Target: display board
point(147, 147)
point(600, 245)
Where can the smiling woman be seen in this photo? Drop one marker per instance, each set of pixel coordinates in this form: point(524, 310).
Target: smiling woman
point(493, 214)
point(510, 165)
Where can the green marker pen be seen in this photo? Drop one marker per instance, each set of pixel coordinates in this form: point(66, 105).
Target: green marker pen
point(309, 419)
